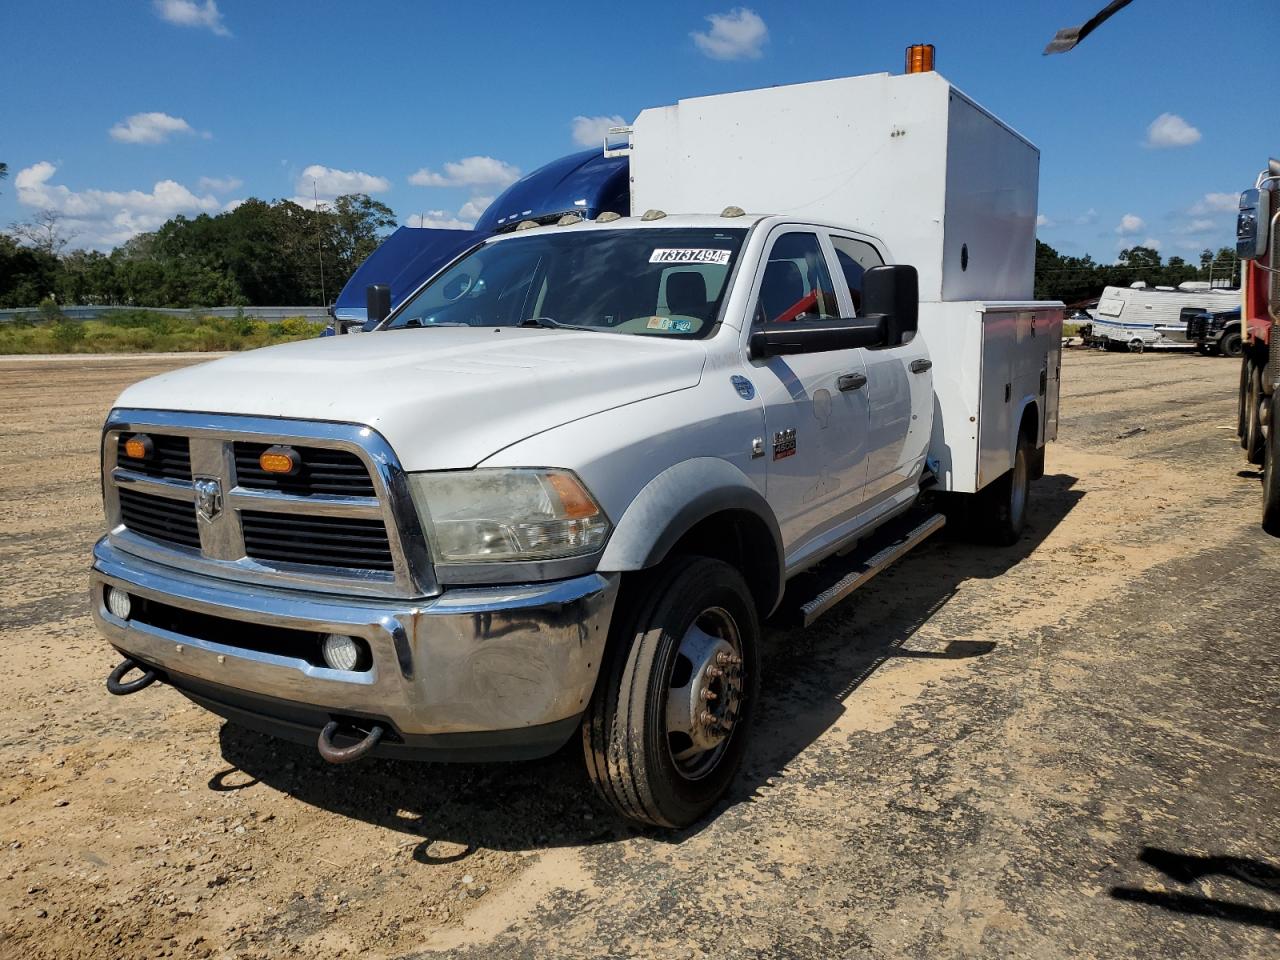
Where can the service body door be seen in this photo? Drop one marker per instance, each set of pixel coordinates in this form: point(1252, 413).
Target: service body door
point(816, 413)
point(899, 390)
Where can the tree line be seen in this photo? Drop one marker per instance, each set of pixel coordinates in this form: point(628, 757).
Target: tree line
point(1076, 280)
point(261, 253)
point(279, 253)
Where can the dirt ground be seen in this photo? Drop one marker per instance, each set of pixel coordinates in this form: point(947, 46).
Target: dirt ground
point(1063, 749)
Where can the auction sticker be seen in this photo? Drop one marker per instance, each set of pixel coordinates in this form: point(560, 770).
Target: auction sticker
point(689, 255)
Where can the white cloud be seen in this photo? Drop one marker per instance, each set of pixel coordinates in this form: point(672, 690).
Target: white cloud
point(590, 131)
point(330, 183)
point(736, 35)
point(106, 218)
point(152, 127)
point(189, 13)
point(439, 219)
point(1215, 203)
point(219, 184)
point(1086, 218)
point(468, 172)
point(1151, 242)
point(1199, 225)
point(1170, 130)
point(1043, 221)
point(472, 209)
point(1131, 223)
point(232, 204)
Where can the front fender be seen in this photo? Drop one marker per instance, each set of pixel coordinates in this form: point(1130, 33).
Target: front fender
point(675, 501)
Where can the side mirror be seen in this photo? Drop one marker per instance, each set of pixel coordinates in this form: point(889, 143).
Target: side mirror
point(1252, 223)
point(377, 301)
point(892, 292)
point(815, 336)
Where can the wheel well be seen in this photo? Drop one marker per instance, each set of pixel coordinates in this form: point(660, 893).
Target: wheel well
point(1030, 425)
point(742, 540)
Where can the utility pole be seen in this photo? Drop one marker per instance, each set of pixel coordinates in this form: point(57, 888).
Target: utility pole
point(315, 193)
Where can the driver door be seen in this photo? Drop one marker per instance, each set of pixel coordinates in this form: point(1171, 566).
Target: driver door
point(816, 413)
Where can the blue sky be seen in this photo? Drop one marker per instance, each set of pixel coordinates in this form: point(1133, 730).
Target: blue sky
point(121, 114)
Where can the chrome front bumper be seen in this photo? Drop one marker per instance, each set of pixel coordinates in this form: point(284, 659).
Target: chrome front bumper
point(468, 661)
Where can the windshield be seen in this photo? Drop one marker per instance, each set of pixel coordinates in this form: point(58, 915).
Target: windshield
point(651, 282)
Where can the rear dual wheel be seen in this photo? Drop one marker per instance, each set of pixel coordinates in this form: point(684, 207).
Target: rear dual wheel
point(1271, 470)
point(667, 726)
point(1253, 399)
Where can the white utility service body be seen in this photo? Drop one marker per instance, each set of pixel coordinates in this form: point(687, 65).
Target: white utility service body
point(748, 395)
point(1146, 318)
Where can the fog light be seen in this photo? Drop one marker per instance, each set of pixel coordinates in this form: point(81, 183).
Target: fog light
point(340, 651)
point(119, 603)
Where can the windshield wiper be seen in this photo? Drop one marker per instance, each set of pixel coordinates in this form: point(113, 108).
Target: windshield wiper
point(550, 324)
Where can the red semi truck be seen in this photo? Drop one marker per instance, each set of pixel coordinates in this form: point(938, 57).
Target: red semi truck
point(1258, 244)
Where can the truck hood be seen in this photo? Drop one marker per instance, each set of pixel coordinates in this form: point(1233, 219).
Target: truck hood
point(445, 398)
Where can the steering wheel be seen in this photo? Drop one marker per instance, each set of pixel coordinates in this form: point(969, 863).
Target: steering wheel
point(458, 287)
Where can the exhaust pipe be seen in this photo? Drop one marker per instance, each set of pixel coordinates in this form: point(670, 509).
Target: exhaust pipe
point(335, 754)
point(117, 685)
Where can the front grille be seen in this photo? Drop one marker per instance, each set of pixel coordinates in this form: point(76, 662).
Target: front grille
point(323, 471)
point(1197, 328)
point(324, 541)
point(327, 527)
point(170, 459)
point(159, 518)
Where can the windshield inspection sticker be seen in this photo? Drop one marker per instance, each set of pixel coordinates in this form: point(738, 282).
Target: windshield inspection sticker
point(667, 323)
point(689, 255)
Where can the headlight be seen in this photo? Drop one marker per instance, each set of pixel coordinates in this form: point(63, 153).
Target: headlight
point(477, 516)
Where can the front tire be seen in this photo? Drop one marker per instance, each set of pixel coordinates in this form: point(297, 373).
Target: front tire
point(1231, 345)
point(667, 726)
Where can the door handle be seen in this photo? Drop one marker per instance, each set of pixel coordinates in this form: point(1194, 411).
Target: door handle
point(920, 366)
point(851, 381)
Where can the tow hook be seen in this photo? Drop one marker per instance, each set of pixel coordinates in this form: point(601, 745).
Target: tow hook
point(116, 684)
point(346, 754)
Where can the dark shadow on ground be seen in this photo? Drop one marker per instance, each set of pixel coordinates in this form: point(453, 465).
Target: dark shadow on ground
point(549, 803)
point(1190, 869)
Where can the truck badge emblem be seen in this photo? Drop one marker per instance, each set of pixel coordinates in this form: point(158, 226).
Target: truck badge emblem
point(746, 389)
point(784, 443)
point(208, 497)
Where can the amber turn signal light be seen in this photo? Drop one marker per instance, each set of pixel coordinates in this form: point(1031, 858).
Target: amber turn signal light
point(282, 461)
point(139, 447)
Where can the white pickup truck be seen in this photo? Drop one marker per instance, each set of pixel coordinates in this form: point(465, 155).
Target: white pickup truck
point(561, 486)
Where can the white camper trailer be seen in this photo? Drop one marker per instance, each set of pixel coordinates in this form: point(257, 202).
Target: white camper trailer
point(1141, 318)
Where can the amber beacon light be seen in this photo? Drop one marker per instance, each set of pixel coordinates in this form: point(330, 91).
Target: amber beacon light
point(920, 58)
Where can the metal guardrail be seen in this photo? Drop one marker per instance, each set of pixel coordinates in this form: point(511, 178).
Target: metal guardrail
point(269, 314)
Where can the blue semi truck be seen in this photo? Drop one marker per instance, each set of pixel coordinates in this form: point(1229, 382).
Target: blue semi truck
point(587, 183)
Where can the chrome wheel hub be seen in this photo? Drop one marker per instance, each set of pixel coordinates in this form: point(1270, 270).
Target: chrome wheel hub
point(704, 699)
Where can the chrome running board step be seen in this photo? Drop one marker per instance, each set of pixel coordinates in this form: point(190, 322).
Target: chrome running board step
point(839, 576)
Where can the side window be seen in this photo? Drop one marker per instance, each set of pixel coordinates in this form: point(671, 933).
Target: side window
point(855, 257)
point(796, 284)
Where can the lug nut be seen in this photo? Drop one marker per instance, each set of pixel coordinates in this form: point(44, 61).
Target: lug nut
point(715, 673)
point(706, 718)
point(708, 694)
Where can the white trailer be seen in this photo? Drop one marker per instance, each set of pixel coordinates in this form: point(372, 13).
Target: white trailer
point(1146, 318)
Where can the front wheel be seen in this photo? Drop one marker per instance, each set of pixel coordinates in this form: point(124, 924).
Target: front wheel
point(667, 726)
point(1231, 345)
